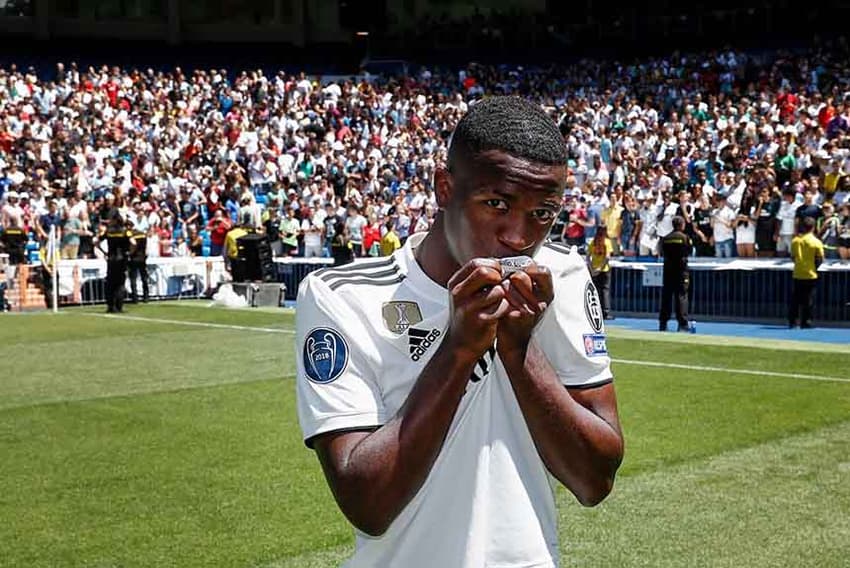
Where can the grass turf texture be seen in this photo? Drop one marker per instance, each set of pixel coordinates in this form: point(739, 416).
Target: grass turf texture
point(142, 443)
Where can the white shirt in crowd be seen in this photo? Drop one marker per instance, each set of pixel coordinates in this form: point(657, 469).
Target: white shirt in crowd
point(365, 332)
point(724, 219)
point(786, 214)
point(665, 224)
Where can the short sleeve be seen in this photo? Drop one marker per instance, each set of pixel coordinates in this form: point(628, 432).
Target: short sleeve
point(572, 333)
point(336, 385)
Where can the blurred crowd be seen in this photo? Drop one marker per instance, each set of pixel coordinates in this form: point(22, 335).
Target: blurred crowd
point(742, 146)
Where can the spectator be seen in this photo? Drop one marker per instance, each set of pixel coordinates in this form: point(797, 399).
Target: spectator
point(574, 230)
point(372, 236)
point(765, 214)
point(341, 247)
point(648, 235)
point(218, 227)
point(809, 208)
point(313, 232)
point(723, 227)
point(194, 242)
point(629, 226)
point(828, 232)
point(844, 232)
point(354, 225)
point(70, 242)
point(786, 217)
point(702, 228)
point(290, 228)
point(271, 226)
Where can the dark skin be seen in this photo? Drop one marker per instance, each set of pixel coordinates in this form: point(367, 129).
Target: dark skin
point(492, 206)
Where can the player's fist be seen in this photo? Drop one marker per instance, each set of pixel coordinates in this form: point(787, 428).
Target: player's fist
point(529, 292)
point(477, 301)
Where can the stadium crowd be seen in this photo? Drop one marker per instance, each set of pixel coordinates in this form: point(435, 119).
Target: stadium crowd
point(742, 146)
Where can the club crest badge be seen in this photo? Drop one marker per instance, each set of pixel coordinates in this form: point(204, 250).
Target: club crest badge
point(325, 355)
point(593, 308)
point(399, 316)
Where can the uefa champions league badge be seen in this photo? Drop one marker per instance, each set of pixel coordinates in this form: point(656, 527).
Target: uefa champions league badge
point(325, 355)
point(511, 264)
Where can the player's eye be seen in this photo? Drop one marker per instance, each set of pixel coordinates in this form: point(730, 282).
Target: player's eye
point(499, 204)
point(543, 215)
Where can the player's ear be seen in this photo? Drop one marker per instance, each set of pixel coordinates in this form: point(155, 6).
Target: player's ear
point(444, 186)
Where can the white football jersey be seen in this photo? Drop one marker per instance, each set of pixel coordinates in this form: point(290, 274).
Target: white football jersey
point(364, 333)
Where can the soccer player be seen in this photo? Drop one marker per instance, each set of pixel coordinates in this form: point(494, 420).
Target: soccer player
point(441, 391)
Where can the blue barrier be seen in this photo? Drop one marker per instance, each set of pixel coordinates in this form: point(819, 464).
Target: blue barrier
point(750, 290)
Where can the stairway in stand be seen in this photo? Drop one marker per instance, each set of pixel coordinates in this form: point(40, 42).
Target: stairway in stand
point(24, 294)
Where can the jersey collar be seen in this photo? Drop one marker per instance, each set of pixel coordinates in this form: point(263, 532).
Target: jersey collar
point(416, 277)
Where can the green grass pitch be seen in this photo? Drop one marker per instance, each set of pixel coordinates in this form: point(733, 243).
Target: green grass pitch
point(155, 442)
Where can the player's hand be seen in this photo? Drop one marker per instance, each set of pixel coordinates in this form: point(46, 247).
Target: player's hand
point(529, 292)
point(477, 301)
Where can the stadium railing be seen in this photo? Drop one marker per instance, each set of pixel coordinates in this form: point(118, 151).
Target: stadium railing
point(83, 282)
point(728, 289)
point(732, 289)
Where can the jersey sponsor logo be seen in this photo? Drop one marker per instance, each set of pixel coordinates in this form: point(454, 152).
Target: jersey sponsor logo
point(592, 307)
point(595, 344)
point(420, 341)
point(325, 355)
point(399, 316)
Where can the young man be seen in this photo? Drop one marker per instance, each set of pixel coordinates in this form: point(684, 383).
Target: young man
point(439, 390)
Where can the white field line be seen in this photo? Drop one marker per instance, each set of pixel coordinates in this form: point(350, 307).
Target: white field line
point(736, 371)
point(195, 323)
point(623, 361)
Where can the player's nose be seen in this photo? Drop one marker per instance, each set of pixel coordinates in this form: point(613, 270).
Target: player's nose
point(514, 237)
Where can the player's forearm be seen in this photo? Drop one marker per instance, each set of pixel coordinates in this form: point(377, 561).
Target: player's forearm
point(385, 470)
point(579, 447)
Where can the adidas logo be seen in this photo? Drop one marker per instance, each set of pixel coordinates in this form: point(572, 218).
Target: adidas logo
point(420, 341)
point(482, 368)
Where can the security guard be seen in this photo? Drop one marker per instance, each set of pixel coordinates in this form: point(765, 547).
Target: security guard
point(119, 240)
point(675, 248)
point(232, 261)
point(807, 252)
point(48, 254)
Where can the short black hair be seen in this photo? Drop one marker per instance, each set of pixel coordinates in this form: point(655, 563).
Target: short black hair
point(510, 124)
point(808, 224)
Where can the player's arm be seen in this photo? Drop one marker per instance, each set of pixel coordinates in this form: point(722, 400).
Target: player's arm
point(374, 474)
point(576, 430)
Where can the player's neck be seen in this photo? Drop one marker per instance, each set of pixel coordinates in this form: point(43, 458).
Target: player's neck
point(433, 256)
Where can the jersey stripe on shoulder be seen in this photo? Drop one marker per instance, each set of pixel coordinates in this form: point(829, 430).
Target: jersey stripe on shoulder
point(369, 275)
point(373, 270)
point(336, 271)
point(558, 247)
point(365, 282)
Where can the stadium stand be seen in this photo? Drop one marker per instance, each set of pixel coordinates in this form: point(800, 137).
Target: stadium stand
point(647, 139)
